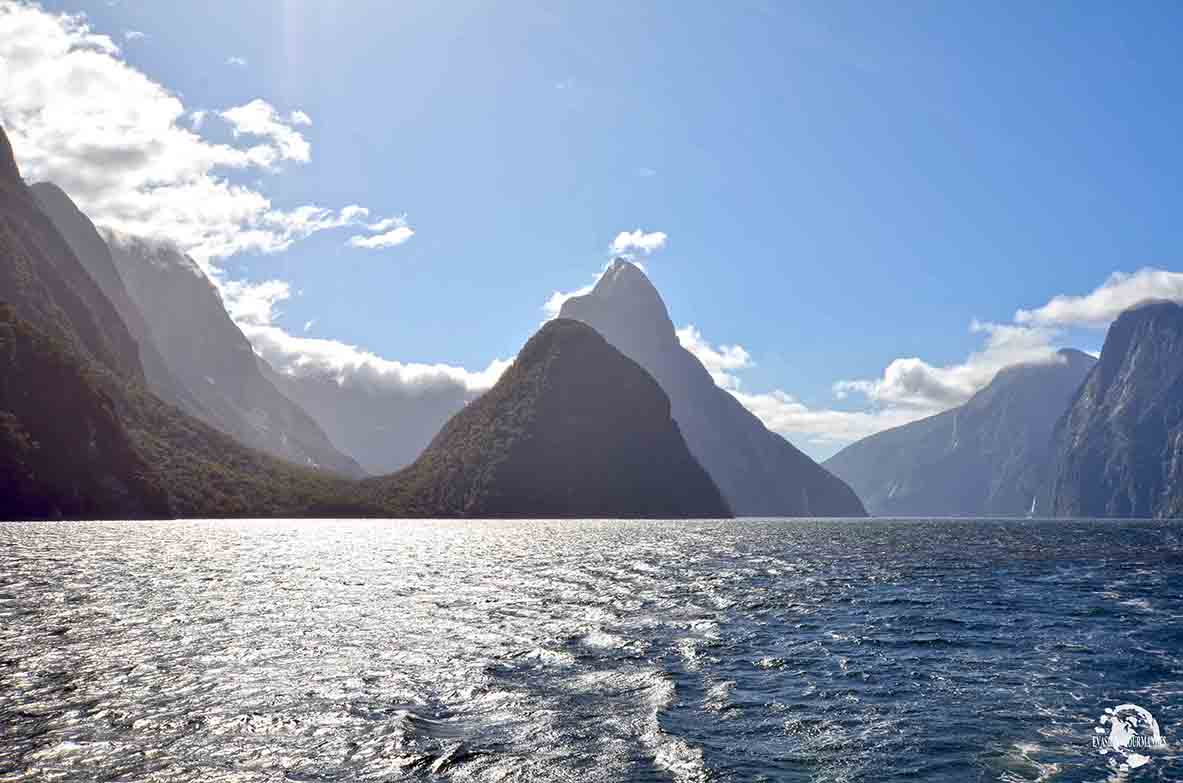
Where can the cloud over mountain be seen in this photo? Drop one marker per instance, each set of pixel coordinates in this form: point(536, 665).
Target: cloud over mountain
point(255, 308)
point(633, 243)
point(721, 361)
point(1100, 307)
point(131, 154)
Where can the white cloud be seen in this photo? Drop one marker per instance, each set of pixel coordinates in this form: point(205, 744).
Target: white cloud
point(254, 304)
point(255, 307)
point(630, 243)
point(259, 118)
point(133, 35)
point(822, 428)
point(236, 62)
point(387, 223)
point(379, 241)
point(914, 383)
point(554, 304)
point(131, 155)
point(1100, 307)
point(308, 325)
point(352, 366)
point(720, 362)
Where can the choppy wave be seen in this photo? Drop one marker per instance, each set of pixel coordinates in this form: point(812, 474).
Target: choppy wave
point(583, 651)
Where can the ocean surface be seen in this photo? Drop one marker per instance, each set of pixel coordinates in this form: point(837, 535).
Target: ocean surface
point(585, 651)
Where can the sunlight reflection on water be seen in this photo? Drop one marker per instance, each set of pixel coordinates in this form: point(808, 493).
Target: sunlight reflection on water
point(595, 650)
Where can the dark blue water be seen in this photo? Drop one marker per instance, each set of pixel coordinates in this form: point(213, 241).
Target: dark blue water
point(589, 651)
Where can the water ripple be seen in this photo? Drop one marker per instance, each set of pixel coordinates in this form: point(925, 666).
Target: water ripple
point(583, 651)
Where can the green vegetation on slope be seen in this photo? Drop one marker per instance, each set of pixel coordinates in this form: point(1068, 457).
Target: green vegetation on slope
point(573, 429)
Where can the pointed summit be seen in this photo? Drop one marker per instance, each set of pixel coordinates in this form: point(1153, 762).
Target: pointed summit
point(759, 472)
point(624, 280)
point(572, 429)
point(624, 307)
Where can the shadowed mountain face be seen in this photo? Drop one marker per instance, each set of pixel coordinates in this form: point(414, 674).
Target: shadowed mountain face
point(1119, 448)
point(212, 359)
point(94, 255)
point(47, 286)
point(63, 451)
point(573, 429)
point(759, 472)
point(987, 457)
point(80, 434)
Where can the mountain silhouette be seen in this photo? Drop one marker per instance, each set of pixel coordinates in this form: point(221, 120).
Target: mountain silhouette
point(572, 429)
point(759, 472)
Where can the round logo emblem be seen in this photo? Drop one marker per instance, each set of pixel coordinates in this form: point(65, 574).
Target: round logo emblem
point(1123, 732)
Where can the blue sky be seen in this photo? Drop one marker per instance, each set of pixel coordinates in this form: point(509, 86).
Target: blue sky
point(842, 184)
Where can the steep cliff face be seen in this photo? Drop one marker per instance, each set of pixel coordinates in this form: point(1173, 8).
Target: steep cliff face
point(573, 429)
point(1119, 449)
point(47, 285)
point(212, 359)
point(759, 472)
point(987, 457)
point(94, 255)
point(80, 433)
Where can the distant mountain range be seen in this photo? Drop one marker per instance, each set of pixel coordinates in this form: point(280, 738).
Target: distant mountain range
point(127, 391)
point(759, 472)
point(988, 457)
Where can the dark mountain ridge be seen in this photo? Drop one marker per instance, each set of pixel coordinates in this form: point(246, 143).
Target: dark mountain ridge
point(48, 287)
point(83, 436)
point(226, 393)
point(92, 252)
point(572, 429)
point(759, 472)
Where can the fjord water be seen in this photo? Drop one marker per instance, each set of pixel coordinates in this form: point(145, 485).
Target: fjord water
point(943, 650)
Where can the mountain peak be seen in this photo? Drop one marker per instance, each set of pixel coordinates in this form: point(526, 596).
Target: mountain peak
point(624, 297)
point(624, 278)
point(572, 429)
point(759, 472)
